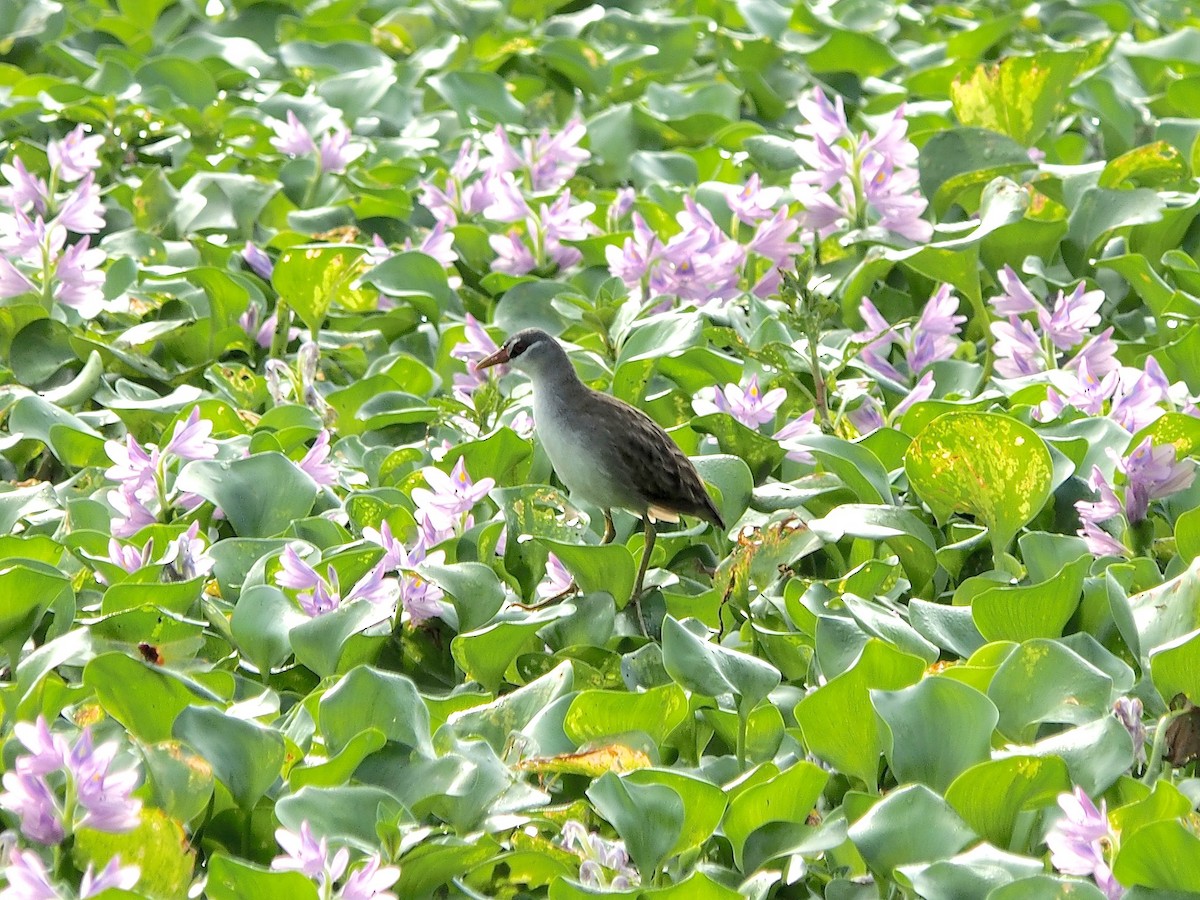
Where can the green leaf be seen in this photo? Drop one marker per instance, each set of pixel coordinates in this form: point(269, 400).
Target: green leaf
point(759, 452)
point(473, 588)
point(369, 698)
point(29, 590)
point(648, 817)
point(600, 714)
point(1162, 855)
point(712, 670)
point(260, 625)
point(832, 718)
point(786, 797)
point(1044, 681)
point(1019, 96)
point(310, 278)
point(900, 529)
point(1021, 612)
point(182, 781)
point(158, 846)
point(145, 699)
point(339, 640)
point(1175, 667)
point(261, 494)
point(961, 161)
point(486, 653)
point(704, 804)
point(991, 794)
point(986, 464)
point(245, 756)
point(236, 879)
point(417, 278)
point(604, 567)
point(920, 717)
point(887, 838)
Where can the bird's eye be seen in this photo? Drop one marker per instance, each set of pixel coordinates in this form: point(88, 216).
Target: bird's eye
point(517, 349)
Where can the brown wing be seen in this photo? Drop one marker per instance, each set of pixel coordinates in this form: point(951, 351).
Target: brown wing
point(666, 477)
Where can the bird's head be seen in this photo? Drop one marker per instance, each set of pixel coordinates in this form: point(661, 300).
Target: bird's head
point(529, 351)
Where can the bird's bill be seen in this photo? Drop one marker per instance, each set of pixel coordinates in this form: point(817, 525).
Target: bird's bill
point(500, 356)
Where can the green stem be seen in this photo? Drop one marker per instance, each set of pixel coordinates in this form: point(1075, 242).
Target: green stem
point(283, 325)
point(1154, 760)
point(743, 722)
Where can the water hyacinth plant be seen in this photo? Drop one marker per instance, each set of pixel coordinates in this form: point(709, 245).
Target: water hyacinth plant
point(293, 602)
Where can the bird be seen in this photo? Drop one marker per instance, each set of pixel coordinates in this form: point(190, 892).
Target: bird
point(606, 452)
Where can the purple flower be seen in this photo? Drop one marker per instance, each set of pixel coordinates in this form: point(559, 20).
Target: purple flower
point(1018, 349)
point(598, 856)
point(438, 243)
point(1093, 513)
point(893, 194)
point(12, 282)
point(512, 255)
point(845, 180)
point(304, 854)
point(315, 462)
point(799, 427)
point(1150, 474)
point(1072, 318)
point(113, 875)
point(27, 877)
point(477, 346)
point(105, 796)
point(102, 796)
point(823, 120)
point(263, 334)
point(24, 189)
point(75, 155)
point(1016, 299)
point(557, 580)
point(752, 202)
point(1077, 841)
point(80, 281)
point(132, 513)
point(291, 137)
point(337, 152)
point(637, 256)
point(82, 212)
point(879, 336)
point(1128, 711)
point(701, 263)
point(867, 417)
point(748, 405)
point(564, 221)
point(32, 800)
point(258, 261)
point(418, 596)
point(191, 439)
point(620, 206)
point(922, 390)
point(450, 496)
point(1099, 353)
point(187, 556)
point(931, 339)
point(47, 751)
point(1137, 395)
point(505, 202)
point(553, 160)
point(370, 882)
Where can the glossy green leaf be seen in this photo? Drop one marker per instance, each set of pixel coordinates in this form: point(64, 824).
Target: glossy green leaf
point(829, 718)
point(919, 718)
point(985, 464)
point(245, 756)
point(261, 494)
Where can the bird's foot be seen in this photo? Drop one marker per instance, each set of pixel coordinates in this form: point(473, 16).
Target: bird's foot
point(571, 589)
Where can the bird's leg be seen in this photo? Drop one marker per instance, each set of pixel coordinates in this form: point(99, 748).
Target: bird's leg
point(651, 534)
point(610, 530)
